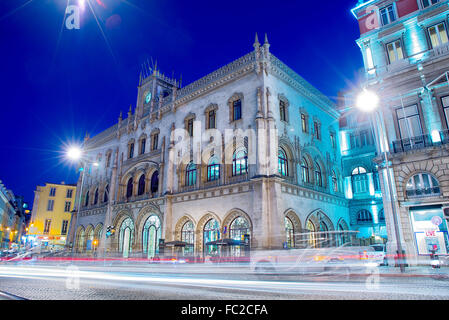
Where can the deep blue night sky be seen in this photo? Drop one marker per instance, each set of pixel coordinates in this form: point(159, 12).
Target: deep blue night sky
point(56, 86)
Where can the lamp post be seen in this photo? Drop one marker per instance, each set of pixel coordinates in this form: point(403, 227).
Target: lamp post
point(76, 154)
point(368, 102)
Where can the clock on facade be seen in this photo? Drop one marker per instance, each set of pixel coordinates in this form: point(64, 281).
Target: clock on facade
point(147, 97)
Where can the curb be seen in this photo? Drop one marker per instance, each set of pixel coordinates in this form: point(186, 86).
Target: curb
point(8, 296)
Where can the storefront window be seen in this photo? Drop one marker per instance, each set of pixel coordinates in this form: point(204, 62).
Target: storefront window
point(151, 236)
point(430, 230)
point(211, 233)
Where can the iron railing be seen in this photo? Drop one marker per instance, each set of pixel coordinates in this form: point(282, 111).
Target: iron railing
point(420, 142)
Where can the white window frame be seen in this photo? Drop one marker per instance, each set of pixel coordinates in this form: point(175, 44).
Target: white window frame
point(393, 6)
point(50, 205)
point(421, 2)
point(395, 49)
point(438, 34)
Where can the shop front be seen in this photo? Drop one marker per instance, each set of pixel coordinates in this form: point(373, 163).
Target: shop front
point(430, 230)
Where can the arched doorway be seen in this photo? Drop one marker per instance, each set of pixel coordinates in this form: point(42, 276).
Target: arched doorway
point(126, 237)
point(289, 232)
point(310, 227)
point(238, 229)
point(211, 232)
point(151, 236)
point(188, 236)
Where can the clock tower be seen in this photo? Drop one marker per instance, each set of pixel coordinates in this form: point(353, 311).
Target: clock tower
point(154, 88)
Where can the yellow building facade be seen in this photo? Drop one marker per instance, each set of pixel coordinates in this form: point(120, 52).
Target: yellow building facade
point(51, 214)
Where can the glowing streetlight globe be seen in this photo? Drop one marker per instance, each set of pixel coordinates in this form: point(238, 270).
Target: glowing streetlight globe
point(367, 101)
point(74, 153)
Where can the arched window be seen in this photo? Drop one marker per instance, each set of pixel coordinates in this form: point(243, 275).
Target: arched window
point(334, 181)
point(422, 185)
point(359, 180)
point(310, 227)
point(151, 235)
point(191, 174)
point(96, 196)
point(126, 235)
point(238, 228)
point(240, 163)
point(305, 171)
point(213, 169)
point(141, 186)
point(129, 188)
point(283, 162)
point(211, 233)
point(155, 182)
point(188, 236)
point(318, 175)
point(86, 201)
point(106, 194)
point(364, 216)
point(289, 232)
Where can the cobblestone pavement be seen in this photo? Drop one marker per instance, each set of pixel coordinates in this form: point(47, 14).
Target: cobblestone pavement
point(126, 285)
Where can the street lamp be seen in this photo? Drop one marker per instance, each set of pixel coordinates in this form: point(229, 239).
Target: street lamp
point(76, 154)
point(368, 102)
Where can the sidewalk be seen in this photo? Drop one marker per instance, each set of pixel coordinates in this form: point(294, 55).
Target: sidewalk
point(415, 271)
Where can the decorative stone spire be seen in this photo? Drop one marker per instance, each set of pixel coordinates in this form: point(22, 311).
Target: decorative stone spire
point(256, 44)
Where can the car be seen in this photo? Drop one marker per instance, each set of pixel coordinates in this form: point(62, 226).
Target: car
point(381, 252)
point(340, 261)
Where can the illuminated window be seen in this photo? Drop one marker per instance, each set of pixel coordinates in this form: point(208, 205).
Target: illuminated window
point(387, 15)
point(239, 163)
point(438, 35)
point(283, 163)
point(394, 51)
point(188, 236)
point(310, 227)
point(422, 185)
point(289, 232)
point(238, 229)
point(213, 169)
point(151, 235)
point(211, 233)
point(191, 174)
point(126, 235)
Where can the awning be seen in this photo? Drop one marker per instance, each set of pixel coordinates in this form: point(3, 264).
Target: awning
point(176, 244)
point(225, 242)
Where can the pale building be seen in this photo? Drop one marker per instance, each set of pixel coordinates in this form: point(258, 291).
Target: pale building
point(279, 178)
point(405, 47)
point(51, 214)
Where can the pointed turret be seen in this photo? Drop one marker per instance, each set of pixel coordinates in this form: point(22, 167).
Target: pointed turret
point(256, 44)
